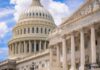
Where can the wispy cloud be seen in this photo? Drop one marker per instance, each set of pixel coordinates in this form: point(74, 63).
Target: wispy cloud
point(3, 53)
point(4, 29)
point(6, 11)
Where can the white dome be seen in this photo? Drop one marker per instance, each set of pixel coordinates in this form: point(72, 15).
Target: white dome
point(36, 11)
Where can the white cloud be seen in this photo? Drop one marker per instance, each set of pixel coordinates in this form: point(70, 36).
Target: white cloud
point(3, 29)
point(6, 11)
point(3, 50)
point(57, 9)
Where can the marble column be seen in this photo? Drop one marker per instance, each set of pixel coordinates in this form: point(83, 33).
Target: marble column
point(15, 48)
point(34, 46)
point(30, 46)
point(82, 51)
point(93, 46)
point(40, 45)
point(10, 50)
point(25, 49)
point(58, 55)
point(64, 52)
point(73, 67)
point(19, 48)
point(51, 58)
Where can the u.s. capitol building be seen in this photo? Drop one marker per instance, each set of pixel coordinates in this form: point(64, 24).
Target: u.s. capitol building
point(38, 44)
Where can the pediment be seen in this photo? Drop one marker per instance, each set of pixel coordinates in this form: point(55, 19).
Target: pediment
point(88, 8)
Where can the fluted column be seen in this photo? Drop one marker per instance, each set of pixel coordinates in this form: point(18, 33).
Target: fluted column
point(30, 46)
point(72, 52)
point(19, 48)
point(15, 48)
point(58, 55)
point(40, 46)
point(34, 46)
point(25, 49)
point(51, 58)
point(93, 46)
point(64, 52)
point(10, 50)
point(82, 50)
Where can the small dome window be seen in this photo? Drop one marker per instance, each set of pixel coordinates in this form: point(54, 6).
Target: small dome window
point(36, 14)
point(29, 14)
point(40, 14)
point(43, 14)
point(33, 14)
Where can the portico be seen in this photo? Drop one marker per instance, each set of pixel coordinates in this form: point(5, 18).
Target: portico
point(82, 34)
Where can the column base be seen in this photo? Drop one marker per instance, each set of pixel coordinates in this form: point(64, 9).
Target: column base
point(82, 67)
point(72, 68)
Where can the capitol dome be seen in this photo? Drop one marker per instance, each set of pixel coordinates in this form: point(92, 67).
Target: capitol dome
point(36, 12)
point(30, 34)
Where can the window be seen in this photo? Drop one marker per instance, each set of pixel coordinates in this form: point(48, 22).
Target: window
point(43, 14)
point(29, 14)
point(37, 47)
point(21, 31)
point(18, 32)
point(33, 14)
point(45, 31)
point(49, 30)
point(24, 30)
point(40, 14)
point(36, 14)
point(28, 30)
point(37, 30)
point(33, 30)
point(41, 30)
point(27, 47)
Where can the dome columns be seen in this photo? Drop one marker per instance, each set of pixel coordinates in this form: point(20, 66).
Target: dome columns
point(22, 48)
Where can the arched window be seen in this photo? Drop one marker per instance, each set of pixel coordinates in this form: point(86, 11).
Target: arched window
point(33, 30)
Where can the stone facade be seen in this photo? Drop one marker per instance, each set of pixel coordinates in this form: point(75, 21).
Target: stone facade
point(74, 45)
point(78, 39)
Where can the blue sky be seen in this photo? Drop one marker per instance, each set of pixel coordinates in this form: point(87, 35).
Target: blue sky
point(8, 15)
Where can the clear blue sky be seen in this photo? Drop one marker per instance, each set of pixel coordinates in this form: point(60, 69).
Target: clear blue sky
point(7, 21)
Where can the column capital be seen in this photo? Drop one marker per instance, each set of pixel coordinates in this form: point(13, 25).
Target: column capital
point(63, 37)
